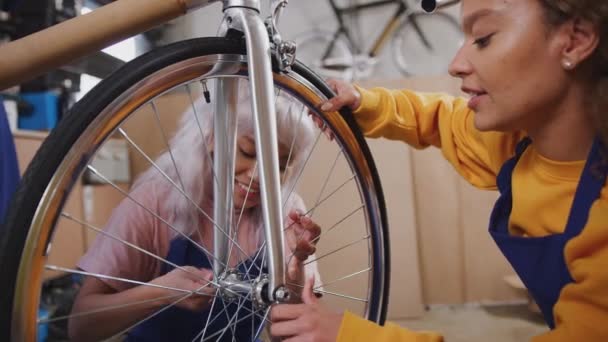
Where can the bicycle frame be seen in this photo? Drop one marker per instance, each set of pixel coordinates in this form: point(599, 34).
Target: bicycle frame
point(390, 26)
point(43, 51)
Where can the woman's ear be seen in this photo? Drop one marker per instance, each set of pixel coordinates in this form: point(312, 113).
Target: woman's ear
point(580, 39)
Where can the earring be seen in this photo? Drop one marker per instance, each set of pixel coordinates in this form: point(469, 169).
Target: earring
point(567, 64)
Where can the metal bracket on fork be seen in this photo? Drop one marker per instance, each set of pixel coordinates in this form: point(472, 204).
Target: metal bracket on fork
point(284, 50)
point(232, 287)
point(260, 293)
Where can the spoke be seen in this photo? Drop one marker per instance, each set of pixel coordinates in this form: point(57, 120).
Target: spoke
point(333, 293)
point(228, 316)
point(238, 223)
point(200, 128)
point(90, 226)
point(261, 267)
point(331, 194)
point(339, 249)
point(253, 261)
point(256, 256)
point(166, 141)
point(242, 319)
point(311, 209)
point(213, 320)
point(107, 308)
point(208, 156)
point(262, 325)
point(191, 293)
point(295, 133)
point(264, 255)
point(253, 324)
point(343, 278)
point(338, 223)
point(293, 186)
point(179, 232)
point(323, 200)
point(204, 331)
point(324, 232)
point(198, 208)
point(228, 325)
point(327, 178)
point(101, 276)
point(225, 309)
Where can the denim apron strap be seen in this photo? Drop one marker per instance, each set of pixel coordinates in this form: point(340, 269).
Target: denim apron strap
point(589, 188)
point(540, 261)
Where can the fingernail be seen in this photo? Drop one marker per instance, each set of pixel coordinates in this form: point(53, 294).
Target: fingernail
point(326, 106)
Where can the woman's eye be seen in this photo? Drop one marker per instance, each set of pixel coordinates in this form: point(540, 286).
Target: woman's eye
point(483, 41)
point(247, 154)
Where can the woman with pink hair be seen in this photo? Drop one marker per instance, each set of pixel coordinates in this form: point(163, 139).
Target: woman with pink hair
point(181, 232)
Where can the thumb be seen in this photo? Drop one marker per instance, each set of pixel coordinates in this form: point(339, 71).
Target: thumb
point(308, 297)
point(335, 103)
point(294, 215)
point(292, 270)
point(207, 275)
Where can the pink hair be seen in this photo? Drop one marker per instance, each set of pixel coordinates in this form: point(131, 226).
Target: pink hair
point(189, 150)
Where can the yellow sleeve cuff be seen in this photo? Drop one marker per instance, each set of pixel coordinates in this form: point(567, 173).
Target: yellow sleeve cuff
point(354, 328)
point(370, 102)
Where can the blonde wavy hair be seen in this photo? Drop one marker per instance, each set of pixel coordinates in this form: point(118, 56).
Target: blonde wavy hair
point(193, 165)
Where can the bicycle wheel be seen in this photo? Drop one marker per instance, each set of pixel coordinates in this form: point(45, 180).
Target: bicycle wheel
point(312, 51)
point(136, 106)
point(425, 44)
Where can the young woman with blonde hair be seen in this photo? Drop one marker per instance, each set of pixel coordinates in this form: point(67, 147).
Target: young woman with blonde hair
point(189, 164)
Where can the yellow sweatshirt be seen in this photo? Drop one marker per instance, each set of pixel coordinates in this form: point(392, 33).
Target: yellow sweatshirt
point(543, 191)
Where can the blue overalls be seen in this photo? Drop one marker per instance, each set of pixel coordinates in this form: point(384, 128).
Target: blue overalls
point(177, 324)
point(540, 261)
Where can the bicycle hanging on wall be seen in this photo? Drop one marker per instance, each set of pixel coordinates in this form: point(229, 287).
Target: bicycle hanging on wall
point(422, 43)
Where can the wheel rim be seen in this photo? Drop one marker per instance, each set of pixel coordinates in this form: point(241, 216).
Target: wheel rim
point(27, 293)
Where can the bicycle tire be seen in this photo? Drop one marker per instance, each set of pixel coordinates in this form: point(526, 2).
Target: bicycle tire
point(60, 152)
point(429, 64)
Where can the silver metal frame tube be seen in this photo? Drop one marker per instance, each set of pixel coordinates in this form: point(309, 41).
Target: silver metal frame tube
point(264, 111)
point(224, 137)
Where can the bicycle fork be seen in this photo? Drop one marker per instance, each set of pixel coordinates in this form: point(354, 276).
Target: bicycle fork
point(244, 16)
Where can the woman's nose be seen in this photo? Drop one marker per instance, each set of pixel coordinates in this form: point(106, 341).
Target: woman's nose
point(253, 172)
point(460, 65)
